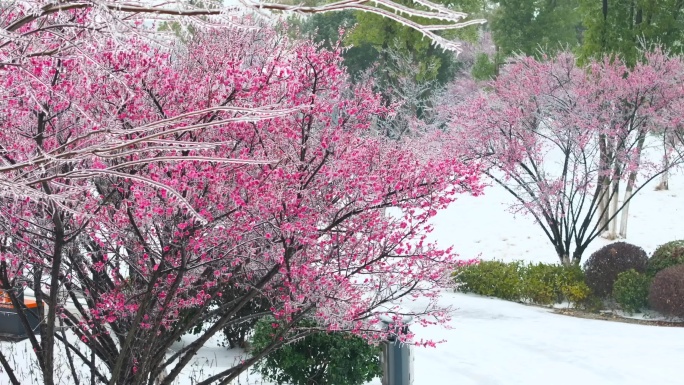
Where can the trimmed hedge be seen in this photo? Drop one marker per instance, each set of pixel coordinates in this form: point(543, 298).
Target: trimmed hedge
point(540, 283)
point(667, 292)
point(603, 266)
point(491, 278)
point(544, 284)
point(666, 255)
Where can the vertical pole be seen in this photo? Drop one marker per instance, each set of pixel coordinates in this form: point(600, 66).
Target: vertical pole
point(397, 358)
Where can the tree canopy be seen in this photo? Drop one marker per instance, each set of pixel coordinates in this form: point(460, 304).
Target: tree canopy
point(526, 26)
point(434, 63)
point(622, 27)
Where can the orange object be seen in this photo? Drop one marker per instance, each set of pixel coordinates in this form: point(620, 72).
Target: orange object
point(4, 298)
point(6, 302)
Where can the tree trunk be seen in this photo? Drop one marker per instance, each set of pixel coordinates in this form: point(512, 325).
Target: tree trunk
point(603, 207)
point(577, 255)
point(565, 259)
point(625, 210)
point(664, 181)
point(563, 254)
point(160, 378)
point(629, 189)
point(665, 176)
point(612, 226)
point(604, 182)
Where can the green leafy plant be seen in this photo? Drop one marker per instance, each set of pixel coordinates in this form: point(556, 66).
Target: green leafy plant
point(602, 268)
point(545, 284)
point(591, 303)
point(484, 67)
point(630, 290)
point(666, 255)
point(666, 294)
point(491, 278)
point(322, 358)
point(572, 285)
point(577, 294)
point(540, 283)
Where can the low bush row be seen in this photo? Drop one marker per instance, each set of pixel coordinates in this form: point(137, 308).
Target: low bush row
point(541, 284)
point(620, 272)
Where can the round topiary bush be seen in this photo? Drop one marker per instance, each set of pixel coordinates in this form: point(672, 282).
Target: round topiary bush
point(667, 292)
point(666, 255)
point(602, 268)
point(631, 290)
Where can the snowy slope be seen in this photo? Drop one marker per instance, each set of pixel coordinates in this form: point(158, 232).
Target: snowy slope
point(483, 225)
point(494, 342)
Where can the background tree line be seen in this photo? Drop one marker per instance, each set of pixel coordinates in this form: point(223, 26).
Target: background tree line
point(529, 27)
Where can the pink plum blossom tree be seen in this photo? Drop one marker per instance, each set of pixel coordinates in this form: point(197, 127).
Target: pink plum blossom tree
point(143, 179)
point(562, 139)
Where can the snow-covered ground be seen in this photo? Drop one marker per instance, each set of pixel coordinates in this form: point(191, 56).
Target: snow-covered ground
point(494, 342)
point(484, 226)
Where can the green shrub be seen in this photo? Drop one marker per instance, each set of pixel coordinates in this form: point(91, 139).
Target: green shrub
point(602, 268)
point(545, 284)
point(630, 290)
point(577, 293)
point(484, 67)
point(572, 285)
point(666, 255)
point(491, 278)
point(539, 283)
point(323, 358)
point(591, 303)
point(666, 294)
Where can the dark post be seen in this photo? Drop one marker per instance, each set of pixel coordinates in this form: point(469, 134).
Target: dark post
point(397, 357)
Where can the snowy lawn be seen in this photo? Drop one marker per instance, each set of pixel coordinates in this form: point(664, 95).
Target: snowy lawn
point(494, 342)
point(484, 226)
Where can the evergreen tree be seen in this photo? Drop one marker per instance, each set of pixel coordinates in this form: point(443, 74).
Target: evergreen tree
point(621, 27)
point(525, 26)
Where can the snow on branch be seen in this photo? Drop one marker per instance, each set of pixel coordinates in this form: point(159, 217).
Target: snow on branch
point(42, 40)
point(35, 10)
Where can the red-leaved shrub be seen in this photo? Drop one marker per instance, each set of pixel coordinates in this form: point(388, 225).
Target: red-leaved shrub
point(667, 292)
point(602, 268)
